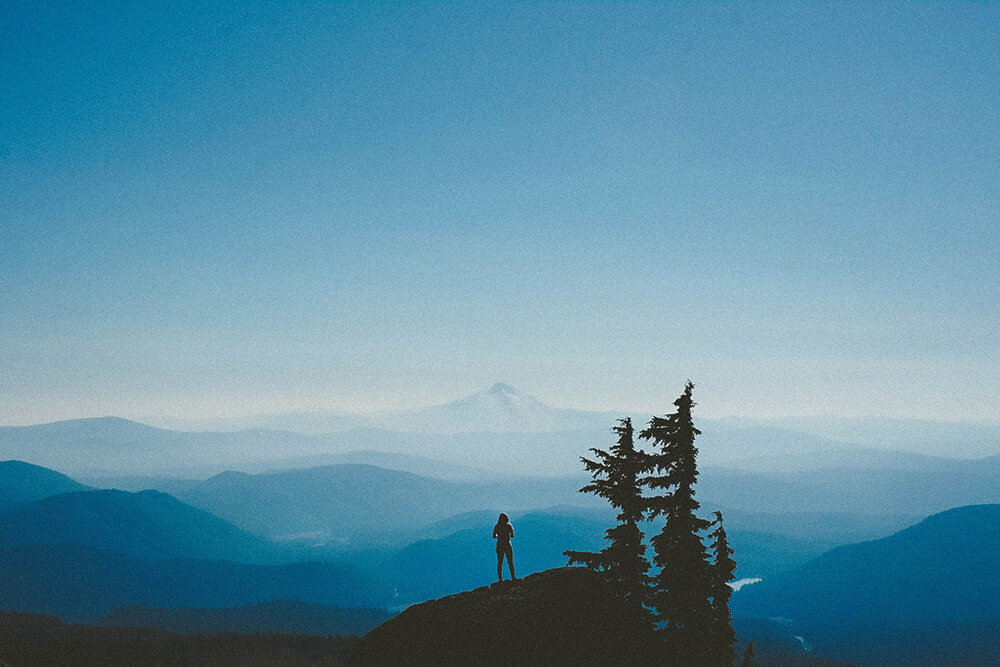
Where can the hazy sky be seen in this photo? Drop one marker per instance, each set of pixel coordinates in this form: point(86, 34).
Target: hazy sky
point(216, 209)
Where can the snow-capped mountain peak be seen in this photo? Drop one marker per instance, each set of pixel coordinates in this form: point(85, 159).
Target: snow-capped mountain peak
point(502, 396)
point(502, 389)
point(501, 408)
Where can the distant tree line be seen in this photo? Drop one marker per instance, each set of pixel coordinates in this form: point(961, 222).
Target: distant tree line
point(685, 591)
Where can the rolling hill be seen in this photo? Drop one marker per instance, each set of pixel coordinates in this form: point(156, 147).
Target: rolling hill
point(149, 525)
point(352, 504)
point(938, 571)
point(932, 579)
point(22, 483)
point(82, 584)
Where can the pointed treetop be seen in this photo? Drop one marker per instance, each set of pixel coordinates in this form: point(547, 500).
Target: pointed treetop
point(684, 400)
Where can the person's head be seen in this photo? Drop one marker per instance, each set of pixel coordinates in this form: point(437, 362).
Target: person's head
point(503, 518)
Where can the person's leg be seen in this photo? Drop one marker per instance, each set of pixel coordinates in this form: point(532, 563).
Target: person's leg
point(499, 565)
point(510, 561)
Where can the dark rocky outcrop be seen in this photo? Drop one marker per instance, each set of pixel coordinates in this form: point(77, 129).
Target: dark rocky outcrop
point(564, 616)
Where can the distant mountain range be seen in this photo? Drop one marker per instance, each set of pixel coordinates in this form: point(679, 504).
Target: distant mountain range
point(499, 431)
point(505, 409)
point(499, 409)
point(940, 438)
point(898, 489)
point(270, 524)
point(112, 446)
point(365, 506)
point(353, 504)
point(356, 535)
point(780, 519)
point(381, 520)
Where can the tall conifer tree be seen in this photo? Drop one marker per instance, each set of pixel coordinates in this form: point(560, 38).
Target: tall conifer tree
point(723, 571)
point(682, 587)
point(617, 477)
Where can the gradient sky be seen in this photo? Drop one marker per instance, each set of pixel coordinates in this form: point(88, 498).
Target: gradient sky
point(219, 209)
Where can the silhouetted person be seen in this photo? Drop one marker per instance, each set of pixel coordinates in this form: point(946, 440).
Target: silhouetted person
point(503, 532)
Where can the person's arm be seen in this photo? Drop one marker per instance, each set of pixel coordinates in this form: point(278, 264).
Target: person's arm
point(511, 531)
point(494, 532)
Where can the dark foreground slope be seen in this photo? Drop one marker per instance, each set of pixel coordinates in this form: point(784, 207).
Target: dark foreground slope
point(565, 616)
point(45, 641)
point(280, 616)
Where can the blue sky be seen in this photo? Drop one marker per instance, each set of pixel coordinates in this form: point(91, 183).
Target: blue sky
point(219, 209)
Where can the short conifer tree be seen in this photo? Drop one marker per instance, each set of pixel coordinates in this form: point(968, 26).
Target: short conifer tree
point(723, 571)
point(616, 478)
